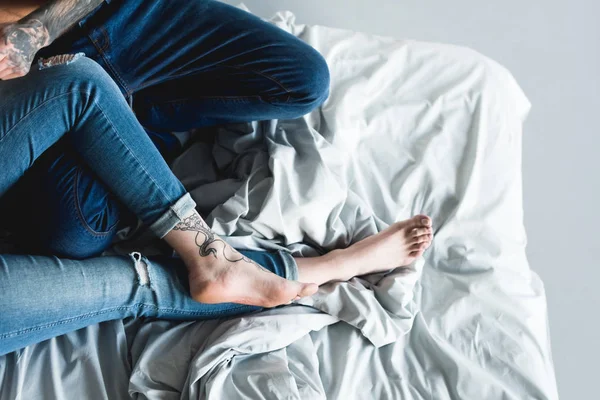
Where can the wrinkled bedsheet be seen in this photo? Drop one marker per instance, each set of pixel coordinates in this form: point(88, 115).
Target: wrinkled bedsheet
point(409, 128)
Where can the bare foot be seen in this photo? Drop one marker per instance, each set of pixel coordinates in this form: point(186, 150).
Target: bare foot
point(399, 245)
point(220, 274)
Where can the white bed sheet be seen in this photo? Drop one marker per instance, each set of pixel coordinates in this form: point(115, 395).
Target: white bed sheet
point(409, 127)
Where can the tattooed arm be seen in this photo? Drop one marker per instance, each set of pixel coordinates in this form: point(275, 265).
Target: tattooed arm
point(58, 16)
point(21, 40)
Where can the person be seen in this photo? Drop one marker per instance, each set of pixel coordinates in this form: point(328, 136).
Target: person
point(181, 64)
point(71, 99)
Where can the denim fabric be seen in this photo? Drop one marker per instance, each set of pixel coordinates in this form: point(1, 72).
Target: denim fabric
point(183, 64)
point(56, 204)
point(80, 99)
point(80, 293)
point(201, 62)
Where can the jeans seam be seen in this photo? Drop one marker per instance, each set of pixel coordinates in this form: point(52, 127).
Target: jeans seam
point(92, 314)
point(106, 37)
point(37, 107)
point(160, 189)
point(110, 66)
point(79, 211)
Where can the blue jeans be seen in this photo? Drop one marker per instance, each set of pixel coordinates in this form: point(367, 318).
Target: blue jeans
point(43, 297)
point(182, 64)
point(79, 102)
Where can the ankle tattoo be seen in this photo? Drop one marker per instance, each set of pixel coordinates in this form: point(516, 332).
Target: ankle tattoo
point(194, 223)
point(208, 243)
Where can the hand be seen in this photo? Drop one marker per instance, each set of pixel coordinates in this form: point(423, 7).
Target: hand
point(19, 42)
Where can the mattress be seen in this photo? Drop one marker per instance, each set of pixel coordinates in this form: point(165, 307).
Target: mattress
point(410, 127)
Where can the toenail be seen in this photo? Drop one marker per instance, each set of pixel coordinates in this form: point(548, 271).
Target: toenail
point(424, 221)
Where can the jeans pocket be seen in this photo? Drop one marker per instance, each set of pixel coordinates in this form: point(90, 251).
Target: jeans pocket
point(96, 210)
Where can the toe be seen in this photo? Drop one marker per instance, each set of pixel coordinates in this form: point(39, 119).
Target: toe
point(419, 246)
point(429, 240)
point(423, 220)
point(418, 249)
point(420, 221)
point(422, 239)
point(420, 231)
point(417, 253)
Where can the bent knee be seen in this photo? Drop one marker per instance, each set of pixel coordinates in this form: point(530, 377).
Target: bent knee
point(78, 73)
point(313, 83)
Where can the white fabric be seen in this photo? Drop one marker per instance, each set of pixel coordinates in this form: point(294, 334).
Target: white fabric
point(409, 128)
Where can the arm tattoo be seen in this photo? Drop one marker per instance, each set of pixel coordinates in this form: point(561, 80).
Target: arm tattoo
point(58, 16)
point(206, 241)
point(21, 42)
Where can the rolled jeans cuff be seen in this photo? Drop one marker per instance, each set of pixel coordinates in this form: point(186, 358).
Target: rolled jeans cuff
point(173, 216)
point(291, 268)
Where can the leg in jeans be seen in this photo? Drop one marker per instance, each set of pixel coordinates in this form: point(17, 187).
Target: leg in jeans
point(80, 98)
point(76, 294)
point(78, 217)
point(82, 214)
point(198, 63)
point(211, 63)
